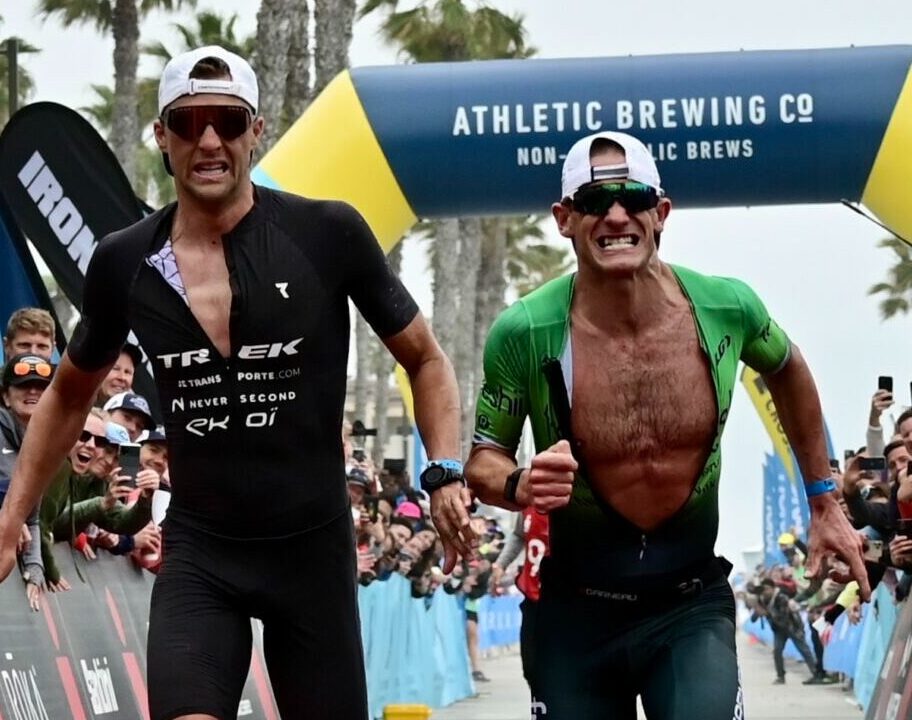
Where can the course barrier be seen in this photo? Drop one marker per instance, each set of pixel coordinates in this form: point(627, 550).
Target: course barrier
point(892, 695)
point(414, 648)
point(84, 654)
point(879, 621)
point(499, 619)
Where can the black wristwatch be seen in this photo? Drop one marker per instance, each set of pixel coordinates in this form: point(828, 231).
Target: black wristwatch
point(439, 473)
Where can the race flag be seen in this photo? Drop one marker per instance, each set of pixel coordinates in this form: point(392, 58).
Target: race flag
point(65, 190)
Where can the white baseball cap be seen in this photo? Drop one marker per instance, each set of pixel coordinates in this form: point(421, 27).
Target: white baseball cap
point(638, 166)
point(176, 81)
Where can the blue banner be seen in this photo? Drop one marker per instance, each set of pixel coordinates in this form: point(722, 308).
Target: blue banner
point(785, 509)
point(841, 652)
point(879, 621)
point(499, 619)
point(20, 282)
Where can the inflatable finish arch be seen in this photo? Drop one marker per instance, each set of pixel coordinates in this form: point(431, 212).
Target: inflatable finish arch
point(727, 129)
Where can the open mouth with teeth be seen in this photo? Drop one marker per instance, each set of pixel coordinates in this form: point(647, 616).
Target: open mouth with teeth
point(210, 169)
point(617, 242)
point(84, 457)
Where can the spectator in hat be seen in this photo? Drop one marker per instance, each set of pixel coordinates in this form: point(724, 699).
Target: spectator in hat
point(29, 330)
point(24, 380)
point(132, 412)
point(358, 483)
point(153, 452)
point(120, 377)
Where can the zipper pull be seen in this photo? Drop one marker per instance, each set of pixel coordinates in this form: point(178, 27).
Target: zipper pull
point(642, 545)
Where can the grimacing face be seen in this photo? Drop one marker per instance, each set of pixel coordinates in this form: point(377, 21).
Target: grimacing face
point(593, 236)
point(210, 170)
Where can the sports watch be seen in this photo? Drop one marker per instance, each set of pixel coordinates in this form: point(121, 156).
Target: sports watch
point(439, 473)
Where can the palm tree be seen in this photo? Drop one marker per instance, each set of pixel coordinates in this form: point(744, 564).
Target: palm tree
point(211, 29)
point(897, 289)
point(452, 31)
point(24, 80)
point(120, 18)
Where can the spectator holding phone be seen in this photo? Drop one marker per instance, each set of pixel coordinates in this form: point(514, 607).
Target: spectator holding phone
point(76, 500)
point(25, 378)
point(881, 400)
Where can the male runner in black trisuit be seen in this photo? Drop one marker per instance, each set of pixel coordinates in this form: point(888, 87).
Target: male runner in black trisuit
point(239, 295)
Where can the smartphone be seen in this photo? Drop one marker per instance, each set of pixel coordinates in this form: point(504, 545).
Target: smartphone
point(872, 463)
point(873, 550)
point(371, 505)
point(848, 455)
point(904, 527)
point(834, 464)
point(129, 462)
point(885, 382)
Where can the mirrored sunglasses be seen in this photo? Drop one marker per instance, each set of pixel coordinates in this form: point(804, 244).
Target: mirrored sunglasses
point(634, 197)
point(42, 369)
point(189, 123)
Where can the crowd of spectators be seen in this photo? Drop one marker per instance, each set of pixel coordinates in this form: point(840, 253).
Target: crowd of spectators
point(874, 489)
point(97, 500)
point(394, 534)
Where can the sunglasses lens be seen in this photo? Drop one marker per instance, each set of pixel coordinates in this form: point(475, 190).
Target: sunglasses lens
point(189, 123)
point(85, 436)
point(599, 199)
point(21, 369)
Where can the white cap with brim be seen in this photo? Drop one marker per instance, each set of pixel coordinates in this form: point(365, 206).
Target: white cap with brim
point(176, 81)
point(578, 169)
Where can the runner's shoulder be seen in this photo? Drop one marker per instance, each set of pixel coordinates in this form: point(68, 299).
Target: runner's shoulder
point(292, 212)
point(715, 289)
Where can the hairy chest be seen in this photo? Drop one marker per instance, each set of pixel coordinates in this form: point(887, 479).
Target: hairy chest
point(642, 398)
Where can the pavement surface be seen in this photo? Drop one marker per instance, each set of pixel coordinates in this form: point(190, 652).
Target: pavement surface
point(505, 697)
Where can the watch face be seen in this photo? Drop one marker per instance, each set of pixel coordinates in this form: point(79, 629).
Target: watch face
point(434, 475)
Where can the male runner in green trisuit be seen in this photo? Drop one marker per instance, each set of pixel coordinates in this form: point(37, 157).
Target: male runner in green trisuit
point(626, 371)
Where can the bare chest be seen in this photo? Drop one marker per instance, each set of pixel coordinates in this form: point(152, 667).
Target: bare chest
point(643, 400)
point(205, 277)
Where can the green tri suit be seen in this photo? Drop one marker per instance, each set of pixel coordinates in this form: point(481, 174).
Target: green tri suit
point(610, 589)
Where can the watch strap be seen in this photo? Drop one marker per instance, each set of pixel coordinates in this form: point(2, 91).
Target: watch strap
point(512, 485)
point(448, 464)
point(820, 487)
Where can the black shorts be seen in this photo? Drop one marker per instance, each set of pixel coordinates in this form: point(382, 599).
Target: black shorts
point(304, 590)
point(592, 657)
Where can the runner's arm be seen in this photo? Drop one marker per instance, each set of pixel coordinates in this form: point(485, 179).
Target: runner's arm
point(436, 396)
point(798, 406)
point(437, 414)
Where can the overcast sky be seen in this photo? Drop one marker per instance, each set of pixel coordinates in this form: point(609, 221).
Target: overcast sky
point(811, 264)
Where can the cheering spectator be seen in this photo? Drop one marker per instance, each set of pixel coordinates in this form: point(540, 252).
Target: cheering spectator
point(75, 499)
point(24, 380)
